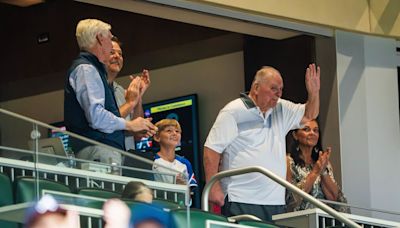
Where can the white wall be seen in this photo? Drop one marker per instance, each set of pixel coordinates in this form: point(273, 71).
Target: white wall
point(369, 121)
point(216, 80)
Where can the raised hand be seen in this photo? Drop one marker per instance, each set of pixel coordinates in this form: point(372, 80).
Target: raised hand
point(323, 161)
point(318, 166)
point(145, 82)
point(133, 91)
point(313, 79)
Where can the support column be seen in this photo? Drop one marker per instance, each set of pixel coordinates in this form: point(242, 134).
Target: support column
point(369, 121)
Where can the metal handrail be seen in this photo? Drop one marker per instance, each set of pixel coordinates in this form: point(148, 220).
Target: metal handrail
point(56, 129)
point(83, 160)
point(358, 207)
point(88, 140)
point(279, 180)
point(85, 174)
point(237, 218)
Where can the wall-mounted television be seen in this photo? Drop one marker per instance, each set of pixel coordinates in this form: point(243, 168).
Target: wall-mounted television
point(185, 110)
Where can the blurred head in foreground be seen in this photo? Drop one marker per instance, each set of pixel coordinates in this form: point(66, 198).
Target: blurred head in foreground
point(47, 213)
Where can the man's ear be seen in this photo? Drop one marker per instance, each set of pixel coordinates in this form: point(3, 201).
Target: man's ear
point(98, 39)
point(256, 87)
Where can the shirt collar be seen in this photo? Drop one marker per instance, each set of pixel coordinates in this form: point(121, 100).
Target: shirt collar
point(247, 101)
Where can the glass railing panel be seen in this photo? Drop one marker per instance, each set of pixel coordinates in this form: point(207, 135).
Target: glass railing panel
point(35, 155)
point(367, 217)
point(374, 213)
point(219, 224)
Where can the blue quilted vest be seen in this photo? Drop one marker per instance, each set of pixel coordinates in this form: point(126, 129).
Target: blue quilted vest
point(74, 116)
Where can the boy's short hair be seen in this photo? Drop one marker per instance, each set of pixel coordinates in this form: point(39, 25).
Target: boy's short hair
point(164, 123)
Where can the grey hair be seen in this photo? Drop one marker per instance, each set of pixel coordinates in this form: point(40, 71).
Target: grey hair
point(87, 30)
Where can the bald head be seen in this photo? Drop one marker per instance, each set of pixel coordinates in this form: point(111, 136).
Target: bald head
point(266, 88)
point(266, 73)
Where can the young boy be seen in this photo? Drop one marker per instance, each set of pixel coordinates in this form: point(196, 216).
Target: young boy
point(169, 137)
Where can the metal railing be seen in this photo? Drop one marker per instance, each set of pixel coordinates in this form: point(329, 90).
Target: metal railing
point(37, 169)
point(74, 177)
point(78, 178)
point(87, 140)
point(279, 180)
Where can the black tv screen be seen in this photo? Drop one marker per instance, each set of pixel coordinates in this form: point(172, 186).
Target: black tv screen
point(185, 110)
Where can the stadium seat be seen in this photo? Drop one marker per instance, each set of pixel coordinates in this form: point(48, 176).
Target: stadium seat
point(6, 198)
point(25, 190)
point(257, 224)
point(6, 195)
point(198, 218)
point(99, 193)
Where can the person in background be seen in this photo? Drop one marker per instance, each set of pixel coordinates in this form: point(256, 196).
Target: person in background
point(90, 108)
point(309, 169)
point(166, 161)
point(150, 216)
point(138, 191)
point(129, 101)
point(250, 131)
point(118, 215)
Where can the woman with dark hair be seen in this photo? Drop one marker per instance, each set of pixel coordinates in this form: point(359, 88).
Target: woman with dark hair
point(309, 168)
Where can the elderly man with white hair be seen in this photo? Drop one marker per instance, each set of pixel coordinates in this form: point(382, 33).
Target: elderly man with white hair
point(90, 108)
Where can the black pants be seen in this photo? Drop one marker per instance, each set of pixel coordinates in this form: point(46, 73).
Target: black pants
point(263, 212)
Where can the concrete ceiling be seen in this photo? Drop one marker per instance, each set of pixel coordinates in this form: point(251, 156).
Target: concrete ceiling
point(39, 43)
